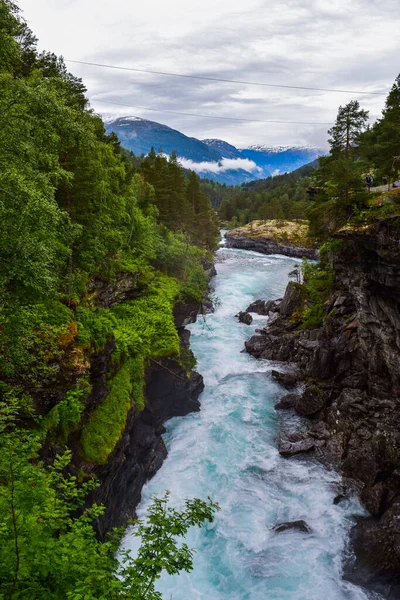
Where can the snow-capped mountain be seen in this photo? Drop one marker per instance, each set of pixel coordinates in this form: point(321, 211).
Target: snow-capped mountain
point(211, 158)
point(226, 150)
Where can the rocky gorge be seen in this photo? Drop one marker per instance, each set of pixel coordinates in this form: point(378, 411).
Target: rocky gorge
point(343, 377)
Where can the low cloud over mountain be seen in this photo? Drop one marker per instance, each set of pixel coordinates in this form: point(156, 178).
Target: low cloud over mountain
point(211, 158)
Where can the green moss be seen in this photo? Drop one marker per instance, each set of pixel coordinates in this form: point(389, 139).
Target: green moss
point(107, 423)
point(143, 328)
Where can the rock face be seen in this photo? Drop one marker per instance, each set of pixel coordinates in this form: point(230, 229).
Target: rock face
point(352, 397)
point(141, 451)
point(268, 246)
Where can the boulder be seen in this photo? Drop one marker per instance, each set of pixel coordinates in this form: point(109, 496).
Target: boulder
point(244, 317)
point(288, 401)
point(288, 379)
point(288, 448)
point(292, 299)
point(256, 345)
point(263, 307)
point(299, 525)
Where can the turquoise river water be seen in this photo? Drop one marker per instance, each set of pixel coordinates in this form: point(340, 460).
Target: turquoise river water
point(228, 451)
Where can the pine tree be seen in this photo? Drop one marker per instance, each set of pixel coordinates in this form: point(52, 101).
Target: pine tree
point(345, 134)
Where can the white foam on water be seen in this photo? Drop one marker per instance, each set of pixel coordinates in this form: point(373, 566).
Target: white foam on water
point(228, 451)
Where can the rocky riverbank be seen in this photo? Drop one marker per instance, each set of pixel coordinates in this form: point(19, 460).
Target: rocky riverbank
point(350, 371)
point(273, 237)
point(171, 390)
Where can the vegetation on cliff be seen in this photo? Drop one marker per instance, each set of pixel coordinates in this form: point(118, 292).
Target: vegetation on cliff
point(355, 152)
point(294, 233)
point(96, 249)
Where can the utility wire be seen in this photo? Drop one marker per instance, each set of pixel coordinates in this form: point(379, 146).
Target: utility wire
point(175, 112)
point(272, 85)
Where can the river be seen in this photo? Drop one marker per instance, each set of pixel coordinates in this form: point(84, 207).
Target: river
point(228, 451)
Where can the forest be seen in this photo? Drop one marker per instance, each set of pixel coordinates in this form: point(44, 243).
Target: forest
point(78, 213)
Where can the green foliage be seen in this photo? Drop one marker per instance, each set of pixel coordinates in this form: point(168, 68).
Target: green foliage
point(75, 213)
point(106, 425)
point(65, 416)
point(49, 549)
point(95, 326)
point(159, 549)
point(143, 329)
point(318, 279)
point(187, 359)
point(30, 338)
point(279, 197)
point(182, 205)
point(356, 152)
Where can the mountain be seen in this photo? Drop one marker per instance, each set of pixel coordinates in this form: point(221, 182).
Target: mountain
point(225, 150)
point(280, 159)
point(211, 158)
point(139, 135)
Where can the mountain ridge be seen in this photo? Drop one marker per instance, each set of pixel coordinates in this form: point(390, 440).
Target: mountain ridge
point(211, 158)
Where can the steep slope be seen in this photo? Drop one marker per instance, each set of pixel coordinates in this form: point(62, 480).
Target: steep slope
point(350, 366)
point(223, 148)
point(140, 135)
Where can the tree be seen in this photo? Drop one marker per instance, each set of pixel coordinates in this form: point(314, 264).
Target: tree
point(339, 176)
point(382, 142)
point(345, 134)
point(49, 549)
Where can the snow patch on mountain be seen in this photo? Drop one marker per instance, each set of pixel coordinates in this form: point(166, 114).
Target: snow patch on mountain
point(278, 149)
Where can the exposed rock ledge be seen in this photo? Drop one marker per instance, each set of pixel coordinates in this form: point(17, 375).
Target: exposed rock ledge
point(272, 237)
point(351, 370)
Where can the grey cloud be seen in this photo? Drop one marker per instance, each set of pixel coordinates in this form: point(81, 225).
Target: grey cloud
point(294, 42)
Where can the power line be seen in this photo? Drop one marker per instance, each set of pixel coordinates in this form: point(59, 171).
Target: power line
point(272, 85)
point(175, 112)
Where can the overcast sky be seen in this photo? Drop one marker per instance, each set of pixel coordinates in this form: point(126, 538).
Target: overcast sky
point(346, 44)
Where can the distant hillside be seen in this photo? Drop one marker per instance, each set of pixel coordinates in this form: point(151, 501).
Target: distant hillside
point(213, 159)
point(280, 197)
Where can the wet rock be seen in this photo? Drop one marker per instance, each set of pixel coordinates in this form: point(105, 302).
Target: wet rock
point(256, 345)
point(263, 307)
point(338, 499)
point(207, 306)
point(288, 448)
point(245, 317)
point(319, 431)
point(299, 525)
point(372, 498)
point(292, 300)
point(287, 402)
point(268, 246)
point(310, 402)
point(186, 313)
point(287, 379)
